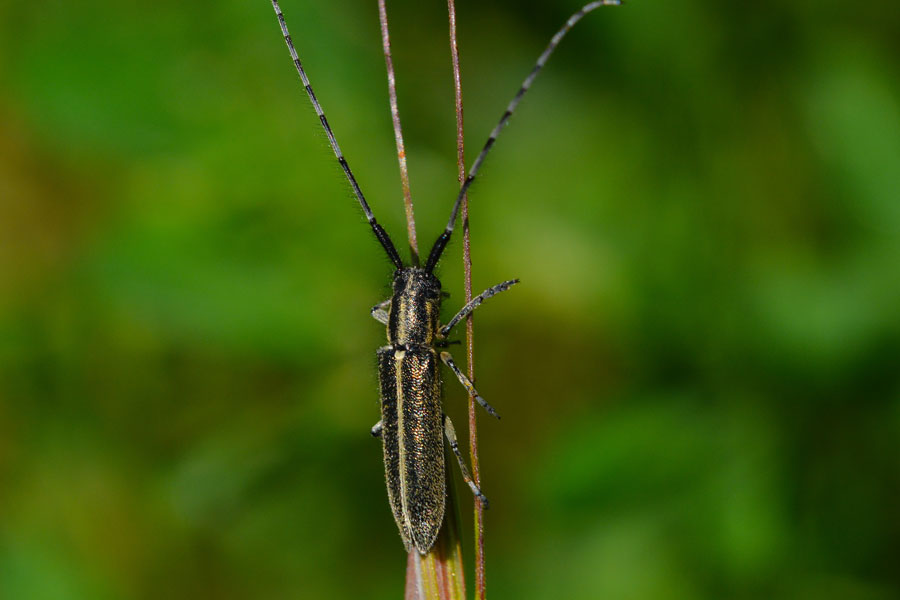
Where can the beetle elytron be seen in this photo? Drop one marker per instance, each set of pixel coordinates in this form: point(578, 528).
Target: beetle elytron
point(412, 420)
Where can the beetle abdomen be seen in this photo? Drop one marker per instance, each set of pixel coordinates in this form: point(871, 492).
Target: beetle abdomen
point(413, 442)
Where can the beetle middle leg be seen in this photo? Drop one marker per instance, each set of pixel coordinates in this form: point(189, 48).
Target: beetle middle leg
point(448, 360)
point(450, 433)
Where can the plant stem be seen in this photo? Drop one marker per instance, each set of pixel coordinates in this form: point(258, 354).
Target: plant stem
point(439, 575)
point(398, 134)
point(470, 329)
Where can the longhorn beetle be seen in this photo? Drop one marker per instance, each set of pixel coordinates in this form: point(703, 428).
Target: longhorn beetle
point(408, 370)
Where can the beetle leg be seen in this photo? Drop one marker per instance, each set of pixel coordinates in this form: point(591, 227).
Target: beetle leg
point(376, 430)
point(379, 314)
point(448, 360)
point(450, 432)
point(475, 303)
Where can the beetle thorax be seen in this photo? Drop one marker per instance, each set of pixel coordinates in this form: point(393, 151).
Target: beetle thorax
point(415, 308)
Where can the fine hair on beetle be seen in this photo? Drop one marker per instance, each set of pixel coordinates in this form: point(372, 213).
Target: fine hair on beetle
point(413, 424)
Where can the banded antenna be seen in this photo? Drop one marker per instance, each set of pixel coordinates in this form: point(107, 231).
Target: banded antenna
point(441, 243)
point(379, 231)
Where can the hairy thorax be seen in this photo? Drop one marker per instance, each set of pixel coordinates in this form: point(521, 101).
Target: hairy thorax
point(415, 308)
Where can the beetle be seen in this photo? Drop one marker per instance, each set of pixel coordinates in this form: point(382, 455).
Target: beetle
point(412, 421)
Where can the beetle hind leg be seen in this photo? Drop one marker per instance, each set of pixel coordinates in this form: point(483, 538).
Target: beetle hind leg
point(450, 433)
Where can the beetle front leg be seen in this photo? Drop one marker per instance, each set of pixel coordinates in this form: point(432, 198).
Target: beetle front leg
point(450, 432)
point(379, 314)
point(475, 303)
point(448, 360)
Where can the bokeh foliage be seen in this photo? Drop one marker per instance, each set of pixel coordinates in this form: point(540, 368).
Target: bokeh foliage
point(698, 374)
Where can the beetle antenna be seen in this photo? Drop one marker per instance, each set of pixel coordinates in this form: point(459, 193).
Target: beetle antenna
point(379, 231)
point(442, 240)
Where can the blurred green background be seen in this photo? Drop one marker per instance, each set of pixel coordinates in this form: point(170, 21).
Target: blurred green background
point(698, 375)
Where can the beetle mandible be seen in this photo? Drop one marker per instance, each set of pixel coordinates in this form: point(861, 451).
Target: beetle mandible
point(412, 421)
